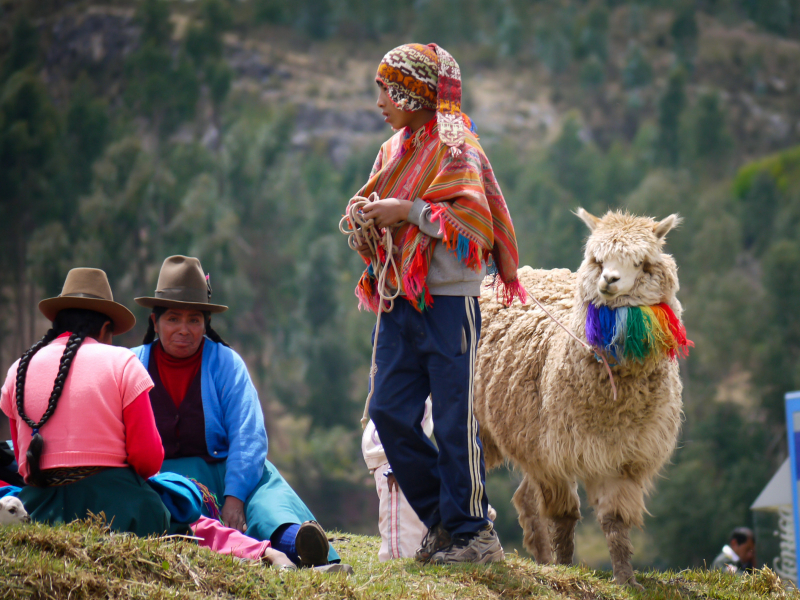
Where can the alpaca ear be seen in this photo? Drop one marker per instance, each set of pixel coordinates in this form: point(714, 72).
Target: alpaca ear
point(588, 218)
point(662, 228)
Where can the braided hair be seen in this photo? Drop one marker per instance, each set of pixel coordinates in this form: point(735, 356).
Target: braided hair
point(158, 312)
point(81, 323)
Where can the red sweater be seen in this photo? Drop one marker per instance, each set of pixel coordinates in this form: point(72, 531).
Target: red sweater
point(177, 374)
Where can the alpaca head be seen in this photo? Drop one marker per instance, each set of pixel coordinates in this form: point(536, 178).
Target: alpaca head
point(12, 511)
point(624, 264)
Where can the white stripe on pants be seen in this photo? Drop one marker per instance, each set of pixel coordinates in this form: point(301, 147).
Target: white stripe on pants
point(401, 529)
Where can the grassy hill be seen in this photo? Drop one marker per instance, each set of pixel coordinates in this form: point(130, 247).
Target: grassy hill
point(83, 560)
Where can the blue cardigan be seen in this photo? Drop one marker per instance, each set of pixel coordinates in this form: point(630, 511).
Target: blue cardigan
point(234, 421)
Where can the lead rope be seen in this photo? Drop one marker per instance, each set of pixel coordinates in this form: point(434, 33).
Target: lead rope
point(597, 352)
point(360, 231)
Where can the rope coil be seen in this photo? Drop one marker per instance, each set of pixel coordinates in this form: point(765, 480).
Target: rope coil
point(361, 231)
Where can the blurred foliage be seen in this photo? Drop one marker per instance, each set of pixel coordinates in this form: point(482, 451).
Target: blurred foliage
point(166, 156)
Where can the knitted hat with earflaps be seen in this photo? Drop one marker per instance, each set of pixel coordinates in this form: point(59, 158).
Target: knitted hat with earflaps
point(418, 76)
point(182, 285)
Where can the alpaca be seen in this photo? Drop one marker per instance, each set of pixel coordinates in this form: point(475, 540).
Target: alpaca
point(12, 511)
point(545, 402)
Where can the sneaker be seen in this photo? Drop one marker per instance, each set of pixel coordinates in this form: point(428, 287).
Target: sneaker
point(478, 548)
point(311, 544)
point(436, 539)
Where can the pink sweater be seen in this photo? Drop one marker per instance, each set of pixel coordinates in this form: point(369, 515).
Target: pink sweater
point(87, 427)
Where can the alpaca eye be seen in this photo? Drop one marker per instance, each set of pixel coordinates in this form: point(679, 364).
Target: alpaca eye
point(638, 264)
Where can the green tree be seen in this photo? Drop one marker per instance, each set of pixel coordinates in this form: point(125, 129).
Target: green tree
point(685, 34)
point(591, 34)
point(759, 207)
point(204, 46)
point(593, 73)
point(24, 48)
point(30, 128)
point(637, 71)
point(670, 108)
point(87, 131)
point(709, 130)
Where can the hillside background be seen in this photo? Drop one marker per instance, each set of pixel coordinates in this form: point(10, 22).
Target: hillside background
point(236, 131)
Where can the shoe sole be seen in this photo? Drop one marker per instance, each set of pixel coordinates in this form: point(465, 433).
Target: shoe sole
point(490, 557)
point(312, 545)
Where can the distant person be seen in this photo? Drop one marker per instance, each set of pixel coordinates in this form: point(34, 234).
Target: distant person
point(82, 427)
point(209, 417)
point(439, 198)
point(739, 554)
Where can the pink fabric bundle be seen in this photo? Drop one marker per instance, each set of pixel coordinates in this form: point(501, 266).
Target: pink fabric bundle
point(226, 540)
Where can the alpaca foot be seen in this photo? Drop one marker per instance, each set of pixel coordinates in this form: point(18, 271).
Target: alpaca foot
point(564, 539)
point(620, 547)
point(629, 581)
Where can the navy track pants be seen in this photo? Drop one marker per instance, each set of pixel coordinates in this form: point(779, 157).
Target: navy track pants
point(432, 352)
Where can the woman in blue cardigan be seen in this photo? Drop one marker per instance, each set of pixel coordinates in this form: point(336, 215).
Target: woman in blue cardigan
point(210, 421)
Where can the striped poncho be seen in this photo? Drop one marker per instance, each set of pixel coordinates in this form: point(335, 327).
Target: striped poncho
point(466, 201)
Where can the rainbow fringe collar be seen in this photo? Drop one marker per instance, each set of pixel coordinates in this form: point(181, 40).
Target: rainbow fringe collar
point(636, 333)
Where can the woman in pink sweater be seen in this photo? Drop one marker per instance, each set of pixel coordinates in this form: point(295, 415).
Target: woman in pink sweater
point(82, 425)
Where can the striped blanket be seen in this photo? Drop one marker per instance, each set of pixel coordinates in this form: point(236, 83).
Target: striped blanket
point(465, 200)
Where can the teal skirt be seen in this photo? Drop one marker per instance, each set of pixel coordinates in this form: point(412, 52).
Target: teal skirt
point(128, 502)
point(271, 504)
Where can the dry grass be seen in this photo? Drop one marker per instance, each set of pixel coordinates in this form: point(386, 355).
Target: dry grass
point(84, 560)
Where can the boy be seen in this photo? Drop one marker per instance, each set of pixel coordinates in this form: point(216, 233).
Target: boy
point(439, 195)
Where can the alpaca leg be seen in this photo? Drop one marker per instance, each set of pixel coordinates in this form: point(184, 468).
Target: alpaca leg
point(536, 533)
point(619, 504)
point(562, 505)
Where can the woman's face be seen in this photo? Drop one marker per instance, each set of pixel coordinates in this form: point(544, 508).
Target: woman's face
point(180, 331)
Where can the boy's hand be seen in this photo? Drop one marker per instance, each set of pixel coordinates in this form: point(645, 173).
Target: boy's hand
point(388, 211)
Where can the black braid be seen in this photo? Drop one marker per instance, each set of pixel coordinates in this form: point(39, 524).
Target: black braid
point(87, 322)
point(213, 335)
point(36, 446)
point(150, 336)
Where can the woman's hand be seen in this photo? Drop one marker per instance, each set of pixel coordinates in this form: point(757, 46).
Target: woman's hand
point(387, 212)
point(233, 514)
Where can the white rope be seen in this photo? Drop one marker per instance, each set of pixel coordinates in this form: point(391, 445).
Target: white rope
point(360, 231)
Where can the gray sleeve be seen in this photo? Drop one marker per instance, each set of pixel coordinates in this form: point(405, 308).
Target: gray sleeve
point(420, 215)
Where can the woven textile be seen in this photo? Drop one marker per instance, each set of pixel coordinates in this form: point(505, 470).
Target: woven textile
point(465, 199)
point(418, 76)
point(67, 475)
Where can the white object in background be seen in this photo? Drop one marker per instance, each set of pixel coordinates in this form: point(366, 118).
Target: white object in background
point(786, 563)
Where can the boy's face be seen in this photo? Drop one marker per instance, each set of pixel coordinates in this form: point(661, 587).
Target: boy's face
point(394, 116)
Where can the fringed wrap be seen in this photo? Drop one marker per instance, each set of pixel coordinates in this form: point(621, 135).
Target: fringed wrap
point(637, 333)
point(473, 256)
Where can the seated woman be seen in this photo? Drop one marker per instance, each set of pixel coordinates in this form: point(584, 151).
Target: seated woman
point(87, 442)
point(209, 417)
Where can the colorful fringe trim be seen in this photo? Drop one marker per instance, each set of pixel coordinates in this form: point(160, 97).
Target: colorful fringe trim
point(636, 333)
point(209, 499)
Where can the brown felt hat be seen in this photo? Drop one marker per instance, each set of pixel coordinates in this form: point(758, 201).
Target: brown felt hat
point(182, 284)
point(89, 289)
